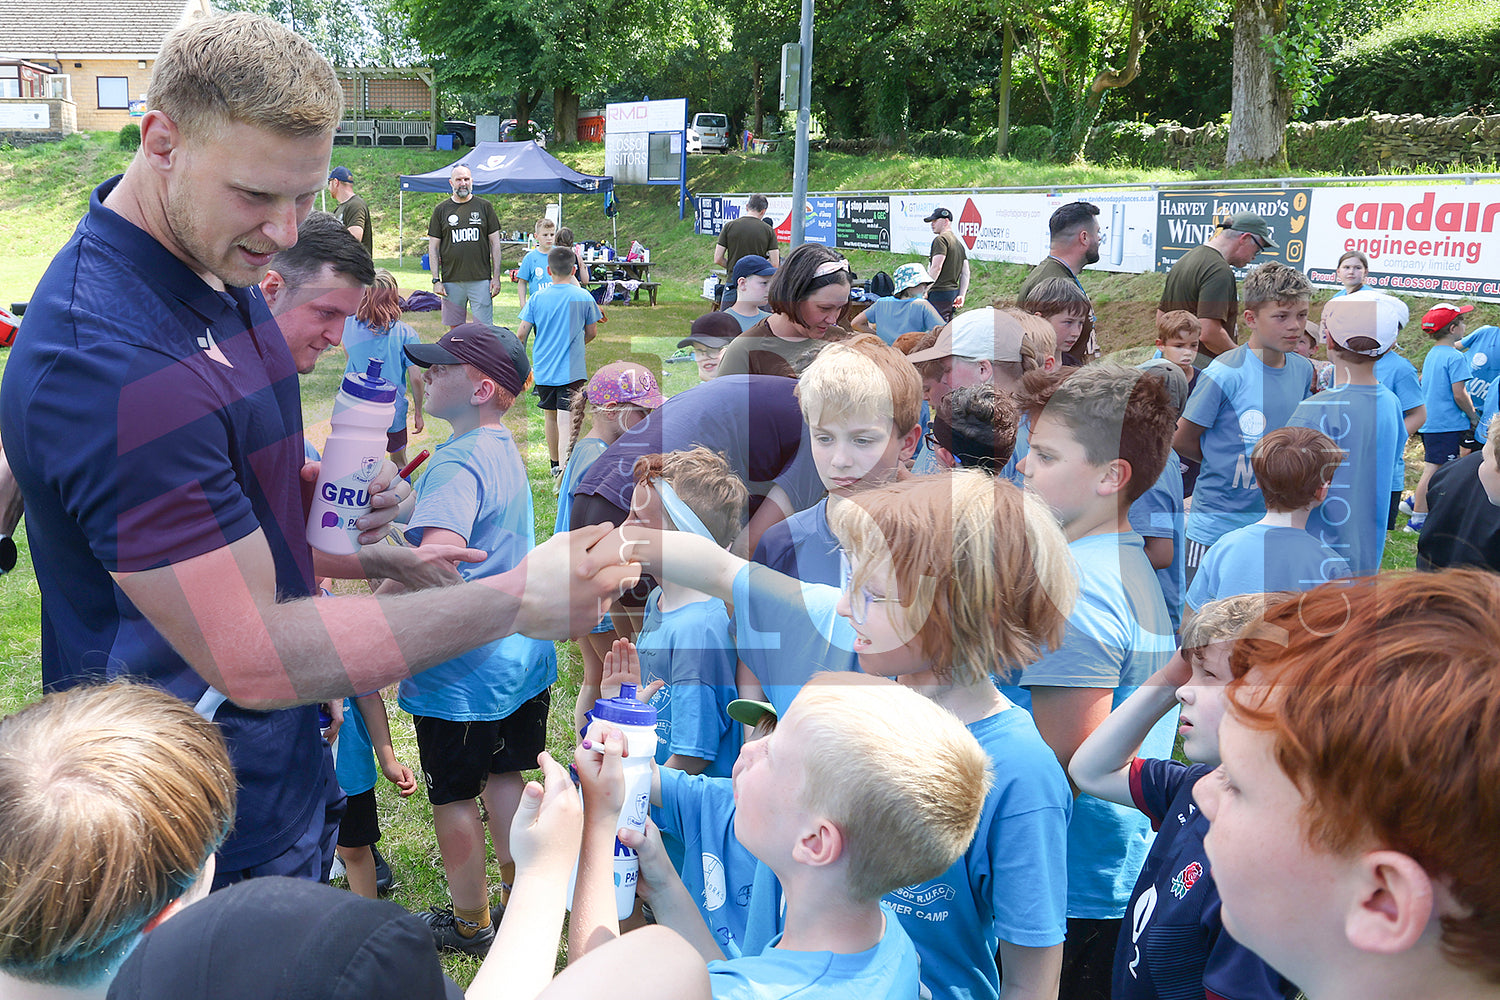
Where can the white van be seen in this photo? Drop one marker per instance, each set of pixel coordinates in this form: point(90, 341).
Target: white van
point(709, 131)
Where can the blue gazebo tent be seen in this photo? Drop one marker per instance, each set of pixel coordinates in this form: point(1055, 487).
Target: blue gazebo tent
point(509, 168)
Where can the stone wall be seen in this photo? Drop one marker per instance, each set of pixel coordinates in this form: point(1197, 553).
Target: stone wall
point(1369, 144)
point(62, 121)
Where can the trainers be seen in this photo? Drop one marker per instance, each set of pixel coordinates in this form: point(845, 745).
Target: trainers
point(444, 926)
point(1413, 527)
point(383, 877)
point(497, 913)
point(1405, 506)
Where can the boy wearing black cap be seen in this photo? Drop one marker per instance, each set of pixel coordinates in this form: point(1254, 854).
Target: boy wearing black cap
point(481, 717)
point(948, 266)
point(708, 336)
point(751, 280)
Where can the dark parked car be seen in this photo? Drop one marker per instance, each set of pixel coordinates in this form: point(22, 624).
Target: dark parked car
point(462, 132)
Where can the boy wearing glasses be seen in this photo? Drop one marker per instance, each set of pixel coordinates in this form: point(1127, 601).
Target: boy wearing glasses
point(1202, 281)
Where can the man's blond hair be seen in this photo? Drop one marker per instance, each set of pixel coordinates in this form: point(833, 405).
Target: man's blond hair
point(902, 779)
point(114, 797)
point(862, 375)
point(248, 69)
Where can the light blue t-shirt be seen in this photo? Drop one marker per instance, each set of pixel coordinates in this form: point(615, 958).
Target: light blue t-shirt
point(1483, 349)
point(364, 343)
point(533, 271)
point(1443, 368)
point(1400, 376)
point(1261, 559)
point(584, 454)
point(476, 486)
point(1023, 448)
point(1159, 513)
point(559, 313)
point(698, 812)
point(893, 317)
point(692, 650)
point(786, 630)
point(1012, 882)
point(1237, 401)
point(1486, 415)
point(1365, 421)
point(1118, 635)
point(353, 753)
point(890, 969)
point(746, 322)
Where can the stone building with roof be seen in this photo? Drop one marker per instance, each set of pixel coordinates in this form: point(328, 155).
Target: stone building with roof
point(105, 48)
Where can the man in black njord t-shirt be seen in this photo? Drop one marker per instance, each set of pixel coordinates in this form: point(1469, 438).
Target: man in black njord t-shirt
point(463, 249)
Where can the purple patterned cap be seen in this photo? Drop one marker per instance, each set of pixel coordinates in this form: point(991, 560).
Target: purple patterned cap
point(625, 382)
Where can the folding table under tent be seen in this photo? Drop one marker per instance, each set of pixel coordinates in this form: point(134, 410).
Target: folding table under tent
point(509, 168)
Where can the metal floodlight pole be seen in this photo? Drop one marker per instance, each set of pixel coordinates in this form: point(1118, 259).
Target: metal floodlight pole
point(804, 104)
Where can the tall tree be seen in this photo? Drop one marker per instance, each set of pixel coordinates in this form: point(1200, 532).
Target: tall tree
point(1277, 45)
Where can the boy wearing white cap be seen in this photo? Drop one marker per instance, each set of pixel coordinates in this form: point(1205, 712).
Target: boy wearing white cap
point(1364, 419)
point(903, 311)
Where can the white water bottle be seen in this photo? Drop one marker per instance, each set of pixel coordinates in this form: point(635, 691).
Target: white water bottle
point(362, 414)
point(637, 720)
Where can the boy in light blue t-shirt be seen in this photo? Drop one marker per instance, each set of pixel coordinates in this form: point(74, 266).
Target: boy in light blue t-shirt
point(1483, 350)
point(906, 310)
point(1293, 466)
point(1100, 437)
point(481, 718)
point(1400, 376)
point(565, 319)
point(1450, 411)
point(1241, 396)
point(532, 275)
point(1160, 514)
point(1363, 418)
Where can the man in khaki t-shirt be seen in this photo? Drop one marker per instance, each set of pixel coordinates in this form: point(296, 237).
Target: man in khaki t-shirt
point(1202, 281)
point(948, 266)
point(749, 234)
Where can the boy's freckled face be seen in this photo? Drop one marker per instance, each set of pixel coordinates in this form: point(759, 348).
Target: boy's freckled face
point(1277, 889)
point(1278, 326)
point(1180, 351)
point(448, 390)
point(883, 640)
point(855, 452)
point(1057, 469)
point(1202, 701)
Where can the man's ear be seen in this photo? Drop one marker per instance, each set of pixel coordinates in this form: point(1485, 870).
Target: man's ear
point(821, 846)
point(1115, 478)
point(986, 371)
point(273, 286)
point(160, 138)
point(1393, 905)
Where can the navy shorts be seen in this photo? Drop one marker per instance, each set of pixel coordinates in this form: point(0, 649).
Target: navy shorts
point(1441, 447)
point(555, 397)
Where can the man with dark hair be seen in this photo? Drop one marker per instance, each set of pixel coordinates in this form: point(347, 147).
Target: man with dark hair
point(948, 265)
point(314, 286)
point(1075, 245)
point(749, 234)
point(352, 210)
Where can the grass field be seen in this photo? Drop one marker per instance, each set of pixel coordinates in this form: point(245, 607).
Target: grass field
point(44, 190)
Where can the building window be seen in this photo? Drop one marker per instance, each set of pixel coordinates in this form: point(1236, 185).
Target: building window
point(114, 92)
point(10, 81)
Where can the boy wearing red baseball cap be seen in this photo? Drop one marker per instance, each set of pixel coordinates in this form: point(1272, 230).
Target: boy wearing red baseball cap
point(1450, 412)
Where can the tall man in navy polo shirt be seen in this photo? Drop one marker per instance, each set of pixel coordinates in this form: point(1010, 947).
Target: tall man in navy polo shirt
point(150, 411)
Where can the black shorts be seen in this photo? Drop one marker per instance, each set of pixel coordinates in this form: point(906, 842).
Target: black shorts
point(1441, 447)
point(395, 441)
point(459, 757)
point(360, 826)
point(1390, 519)
point(555, 397)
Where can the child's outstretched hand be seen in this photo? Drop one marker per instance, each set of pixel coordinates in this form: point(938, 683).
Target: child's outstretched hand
point(401, 776)
point(622, 665)
point(548, 825)
point(657, 872)
point(601, 776)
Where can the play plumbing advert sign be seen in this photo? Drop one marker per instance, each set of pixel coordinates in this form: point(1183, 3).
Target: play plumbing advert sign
point(1435, 239)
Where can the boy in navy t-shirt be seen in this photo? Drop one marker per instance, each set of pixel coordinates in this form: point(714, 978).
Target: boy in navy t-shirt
point(1241, 396)
point(1100, 437)
point(481, 718)
point(1174, 944)
point(1450, 411)
point(1293, 466)
point(1363, 418)
point(565, 319)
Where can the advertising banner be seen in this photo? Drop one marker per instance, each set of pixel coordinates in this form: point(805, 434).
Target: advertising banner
point(864, 223)
point(817, 220)
point(1008, 227)
point(646, 116)
point(1186, 219)
point(1431, 239)
point(1127, 228)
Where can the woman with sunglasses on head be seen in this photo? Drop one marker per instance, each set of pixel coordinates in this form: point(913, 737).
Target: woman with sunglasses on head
point(807, 298)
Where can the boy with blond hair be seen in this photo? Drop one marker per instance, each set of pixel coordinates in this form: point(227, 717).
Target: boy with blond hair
point(481, 718)
point(1175, 944)
point(1244, 394)
point(863, 787)
point(533, 274)
point(1352, 831)
point(1099, 439)
point(862, 401)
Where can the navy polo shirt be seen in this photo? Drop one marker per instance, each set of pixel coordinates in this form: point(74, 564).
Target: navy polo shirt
point(149, 419)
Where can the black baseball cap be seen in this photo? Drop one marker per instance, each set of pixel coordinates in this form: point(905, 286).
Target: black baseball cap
point(938, 213)
point(493, 350)
point(713, 330)
point(286, 939)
